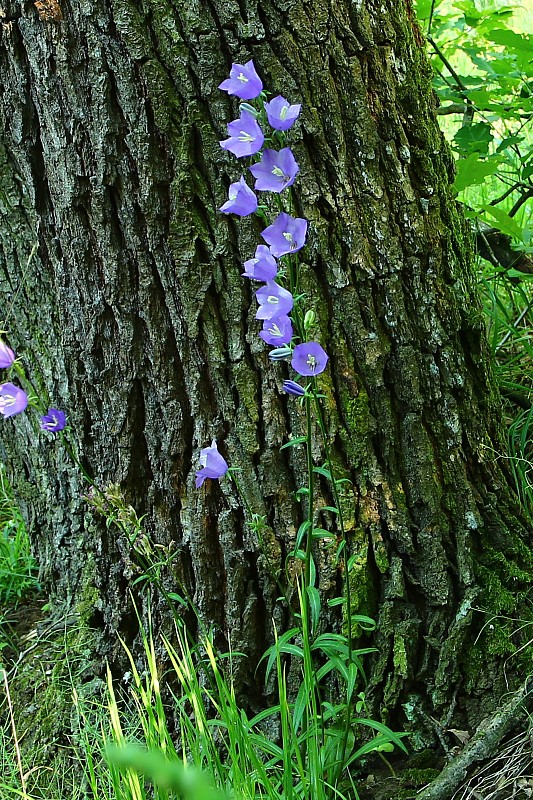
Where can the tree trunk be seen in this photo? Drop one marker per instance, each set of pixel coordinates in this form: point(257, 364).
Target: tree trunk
point(131, 315)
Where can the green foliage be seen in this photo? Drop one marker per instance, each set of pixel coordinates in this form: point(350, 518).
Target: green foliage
point(18, 569)
point(222, 752)
point(484, 79)
point(482, 54)
point(163, 773)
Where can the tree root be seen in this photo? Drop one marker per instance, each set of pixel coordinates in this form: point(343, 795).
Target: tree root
point(482, 746)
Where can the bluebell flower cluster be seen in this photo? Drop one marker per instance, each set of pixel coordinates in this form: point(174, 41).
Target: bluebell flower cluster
point(14, 400)
point(274, 171)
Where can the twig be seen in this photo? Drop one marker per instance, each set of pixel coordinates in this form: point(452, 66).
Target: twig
point(469, 109)
point(520, 202)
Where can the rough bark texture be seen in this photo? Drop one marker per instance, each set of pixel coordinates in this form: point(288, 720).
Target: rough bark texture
point(132, 315)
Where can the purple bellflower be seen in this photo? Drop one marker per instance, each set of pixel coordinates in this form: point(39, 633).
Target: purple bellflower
point(309, 359)
point(263, 267)
point(7, 356)
point(246, 137)
point(286, 234)
point(242, 201)
point(275, 171)
point(291, 387)
point(213, 465)
point(55, 420)
point(13, 400)
point(277, 331)
point(280, 114)
point(274, 301)
point(243, 81)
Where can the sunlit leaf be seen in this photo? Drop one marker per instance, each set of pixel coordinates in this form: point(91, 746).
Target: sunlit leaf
point(472, 171)
point(504, 222)
point(474, 138)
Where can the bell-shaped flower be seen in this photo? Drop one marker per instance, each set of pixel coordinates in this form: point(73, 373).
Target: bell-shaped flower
point(243, 81)
point(245, 136)
point(274, 301)
point(309, 359)
point(213, 465)
point(286, 234)
point(280, 114)
point(7, 356)
point(242, 201)
point(13, 400)
point(277, 331)
point(55, 420)
point(275, 171)
point(263, 267)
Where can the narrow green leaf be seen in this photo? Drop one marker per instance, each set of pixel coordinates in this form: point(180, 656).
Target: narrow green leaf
point(340, 481)
point(272, 651)
point(395, 738)
point(351, 562)
point(322, 471)
point(177, 598)
point(333, 509)
point(293, 442)
point(337, 601)
point(314, 606)
point(312, 571)
point(302, 530)
point(366, 623)
point(320, 533)
point(292, 649)
point(302, 700)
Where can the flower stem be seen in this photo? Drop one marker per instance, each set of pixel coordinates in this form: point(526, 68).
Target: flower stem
point(310, 496)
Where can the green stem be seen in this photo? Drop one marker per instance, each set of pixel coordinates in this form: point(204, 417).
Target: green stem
point(310, 496)
point(346, 553)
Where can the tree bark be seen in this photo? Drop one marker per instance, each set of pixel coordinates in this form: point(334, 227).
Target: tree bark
point(132, 316)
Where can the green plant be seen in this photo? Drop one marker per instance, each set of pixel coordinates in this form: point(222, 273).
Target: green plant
point(221, 749)
point(482, 54)
point(18, 569)
point(484, 78)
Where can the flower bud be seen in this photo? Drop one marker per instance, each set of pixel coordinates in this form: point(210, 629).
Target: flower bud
point(249, 109)
point(291, 387)
point(309, 319)
point(280, 354)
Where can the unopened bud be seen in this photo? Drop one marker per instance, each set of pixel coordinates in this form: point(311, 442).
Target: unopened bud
point(250, 109)
point(280, 354)
point(309, 319)
point(291, 387)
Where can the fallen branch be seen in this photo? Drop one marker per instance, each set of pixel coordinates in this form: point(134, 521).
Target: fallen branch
point(483, 745)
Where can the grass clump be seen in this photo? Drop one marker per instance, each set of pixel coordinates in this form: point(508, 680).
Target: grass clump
point(18, 568)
